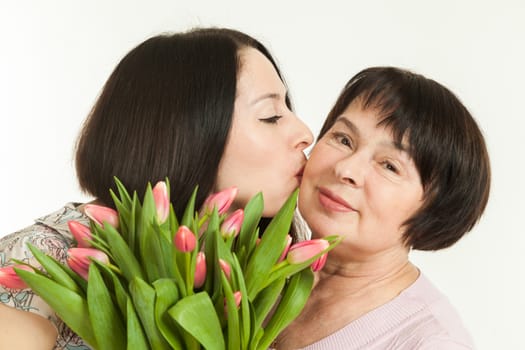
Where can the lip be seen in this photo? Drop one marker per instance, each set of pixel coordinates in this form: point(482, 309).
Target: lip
point(299, 174)
point(333, 202)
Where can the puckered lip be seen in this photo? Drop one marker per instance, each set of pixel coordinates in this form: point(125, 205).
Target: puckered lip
point(335, 198)
point(299, 173)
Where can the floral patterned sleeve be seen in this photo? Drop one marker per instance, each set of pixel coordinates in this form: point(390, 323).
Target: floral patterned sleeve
point(52, 242)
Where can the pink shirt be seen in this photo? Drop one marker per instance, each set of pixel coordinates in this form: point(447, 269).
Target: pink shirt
point(418, 318)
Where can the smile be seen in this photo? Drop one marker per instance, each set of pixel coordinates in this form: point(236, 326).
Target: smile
point(332, 202)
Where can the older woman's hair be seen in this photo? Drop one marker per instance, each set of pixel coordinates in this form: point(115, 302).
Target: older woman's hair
point(165, 111)
point(445, 143)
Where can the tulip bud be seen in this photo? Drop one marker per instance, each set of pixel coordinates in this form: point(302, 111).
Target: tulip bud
point(237, 297)
point(9, 278)
point(232, 224)
point(101, 214)
point(302, 251)
point(81, 232)
point(162, 201)
point(222, 200)
point(225, 267)
point(286, 248)
point(319, 263)
point(184, 240)
point(79, 259)
point(200, 270)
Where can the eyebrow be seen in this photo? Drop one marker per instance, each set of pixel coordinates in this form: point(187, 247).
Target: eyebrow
point(349, 125)
point(271, 95)
point(394, 144)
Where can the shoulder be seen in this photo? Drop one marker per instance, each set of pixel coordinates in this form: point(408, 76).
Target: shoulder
point(49, 233)
point(437, 325)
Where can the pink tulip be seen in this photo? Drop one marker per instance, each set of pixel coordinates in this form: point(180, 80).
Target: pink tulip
point(9, 278)
point(225, 267)
point(232, 224)
point(101, 214)
point(238, 297)
point(185, 240)
point(302, 251)
point(200, 270)
point(162, 201)
point(286, 248)
point(81, 232)
point(222, 200)
point(319, 263)
point(79, 259)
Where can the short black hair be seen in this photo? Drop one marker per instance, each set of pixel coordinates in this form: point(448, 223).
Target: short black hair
point(445, 143)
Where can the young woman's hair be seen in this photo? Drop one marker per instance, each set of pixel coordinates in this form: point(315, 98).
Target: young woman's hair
point(445, 143)
point(165, 111)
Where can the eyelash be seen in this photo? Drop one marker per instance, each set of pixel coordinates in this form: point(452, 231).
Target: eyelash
point(390, 167)
point(271, 120)
point(341, 138)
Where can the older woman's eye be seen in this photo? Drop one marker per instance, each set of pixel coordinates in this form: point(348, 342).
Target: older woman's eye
point(271, 120)
point(390, 167)
point(342, 139)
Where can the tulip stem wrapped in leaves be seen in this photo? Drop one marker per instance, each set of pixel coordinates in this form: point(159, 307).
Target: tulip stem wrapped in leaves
point(141, 278)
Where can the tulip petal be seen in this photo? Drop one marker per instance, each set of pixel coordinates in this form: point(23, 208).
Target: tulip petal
point(101, 214)
point(81, 232)
point(162, 201)
point(9, 278)
point(185, 240)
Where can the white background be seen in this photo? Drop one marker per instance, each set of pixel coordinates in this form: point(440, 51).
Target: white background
point(56, 55)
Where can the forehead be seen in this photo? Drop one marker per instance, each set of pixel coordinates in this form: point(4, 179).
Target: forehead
point(358, 118)
point(257, 75)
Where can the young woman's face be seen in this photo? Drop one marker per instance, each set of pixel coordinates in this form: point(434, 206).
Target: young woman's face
point(264, 152)
point(360, 184)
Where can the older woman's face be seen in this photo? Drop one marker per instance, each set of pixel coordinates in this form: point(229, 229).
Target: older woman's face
point(360, 184)
point(264, 152)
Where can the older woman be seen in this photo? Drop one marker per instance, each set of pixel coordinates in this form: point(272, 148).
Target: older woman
point(400, 164)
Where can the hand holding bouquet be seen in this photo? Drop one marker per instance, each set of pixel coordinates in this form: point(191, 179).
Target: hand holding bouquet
point(140, 278)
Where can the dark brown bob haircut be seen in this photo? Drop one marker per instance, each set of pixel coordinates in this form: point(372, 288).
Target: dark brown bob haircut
point(445, 143)
point(165, 111)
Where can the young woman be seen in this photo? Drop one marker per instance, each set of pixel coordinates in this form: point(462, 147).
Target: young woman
point(400, 164)
point(206, 107)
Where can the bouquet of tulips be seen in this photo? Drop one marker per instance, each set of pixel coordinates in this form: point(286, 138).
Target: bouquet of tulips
point(141, 278)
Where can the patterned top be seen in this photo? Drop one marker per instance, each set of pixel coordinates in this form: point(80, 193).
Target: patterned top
point(51, 235)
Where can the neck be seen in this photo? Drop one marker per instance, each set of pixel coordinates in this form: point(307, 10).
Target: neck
point(388, 272)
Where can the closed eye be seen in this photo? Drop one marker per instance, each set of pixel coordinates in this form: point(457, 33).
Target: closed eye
point(271, 120)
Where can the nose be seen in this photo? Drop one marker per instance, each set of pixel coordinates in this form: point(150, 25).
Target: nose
point(303, 136)
point(351, 169)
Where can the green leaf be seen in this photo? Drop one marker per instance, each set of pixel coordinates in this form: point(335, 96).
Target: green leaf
point(104, 315)
point(190, 209)
point(167, 296)
point(55, 270)
point(68, 305)
point(196, 314)
point(248, 235)
point(123, 194)
point(123, 256)
point(143, 296)
point(266, 300)
point(135, 334)
point(294, 298)
point(234, 331)
point(269, 248)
